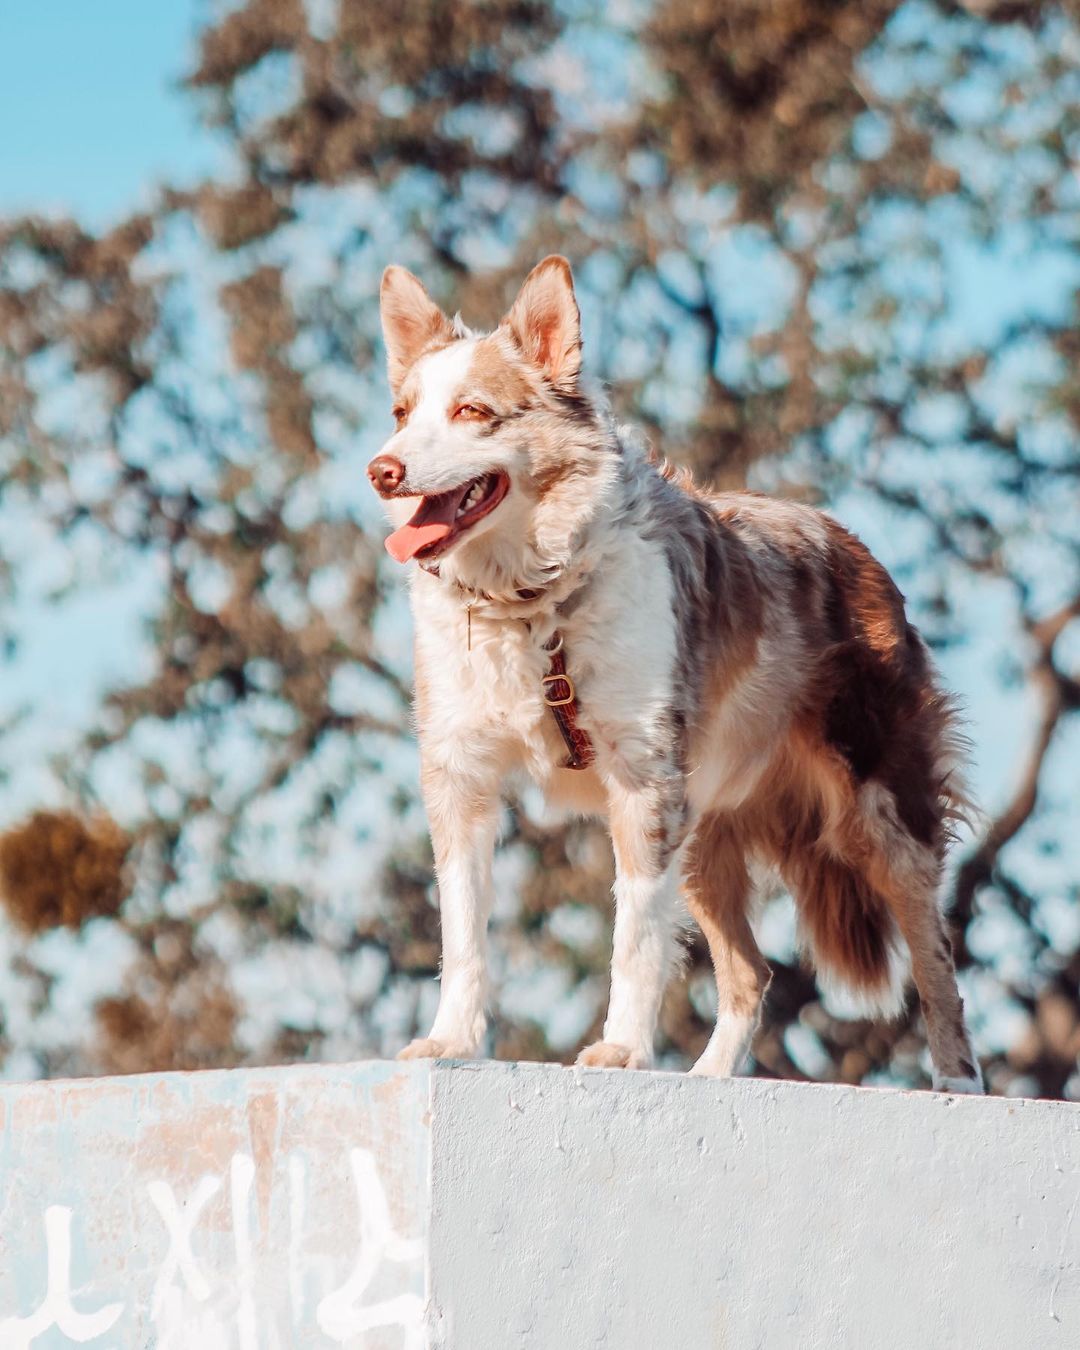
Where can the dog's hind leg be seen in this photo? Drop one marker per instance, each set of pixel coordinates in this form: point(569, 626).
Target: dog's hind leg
point(717, 891)
point(955, 1068)
point(907, 875)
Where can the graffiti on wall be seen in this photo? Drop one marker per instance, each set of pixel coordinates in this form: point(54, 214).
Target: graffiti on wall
point(194, 1301)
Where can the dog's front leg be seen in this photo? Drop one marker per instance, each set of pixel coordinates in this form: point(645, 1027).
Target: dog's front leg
point(646, 830)
point(462, 807)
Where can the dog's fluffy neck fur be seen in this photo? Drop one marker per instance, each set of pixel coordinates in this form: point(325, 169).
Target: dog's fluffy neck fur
point(570, 527)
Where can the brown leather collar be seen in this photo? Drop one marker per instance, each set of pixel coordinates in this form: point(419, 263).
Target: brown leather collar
point(561, 697)
point(557, 689)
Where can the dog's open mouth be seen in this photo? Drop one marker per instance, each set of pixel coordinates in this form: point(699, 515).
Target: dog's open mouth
point(441, 519)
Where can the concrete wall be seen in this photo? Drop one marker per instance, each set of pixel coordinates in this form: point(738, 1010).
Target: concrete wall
point(278, 1208)
point(477, 1206)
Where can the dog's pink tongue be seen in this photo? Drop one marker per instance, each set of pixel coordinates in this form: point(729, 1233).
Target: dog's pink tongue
point(432, 521)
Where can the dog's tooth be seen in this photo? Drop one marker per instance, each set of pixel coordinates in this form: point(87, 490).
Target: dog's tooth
point(476, 494)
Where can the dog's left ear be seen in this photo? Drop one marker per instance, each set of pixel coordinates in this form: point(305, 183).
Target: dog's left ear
point(545, 322)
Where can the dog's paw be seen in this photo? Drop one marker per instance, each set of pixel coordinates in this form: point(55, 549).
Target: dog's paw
point(968, 1087)
point(607, 1055)
point(426, 1048)
point(712, 1067)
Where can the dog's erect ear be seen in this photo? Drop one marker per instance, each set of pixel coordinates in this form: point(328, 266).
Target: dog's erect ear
point(411, 321)
point(545, 322)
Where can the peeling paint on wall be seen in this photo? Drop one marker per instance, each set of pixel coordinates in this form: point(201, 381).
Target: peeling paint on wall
point(227, 1211)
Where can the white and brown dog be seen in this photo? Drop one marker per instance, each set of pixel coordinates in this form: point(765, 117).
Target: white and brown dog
point(726, 679)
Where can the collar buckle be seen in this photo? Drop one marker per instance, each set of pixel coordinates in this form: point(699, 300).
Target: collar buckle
point(570, 696)
point(580, 750)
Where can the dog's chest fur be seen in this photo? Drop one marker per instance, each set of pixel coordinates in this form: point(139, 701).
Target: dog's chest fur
point(485, 690)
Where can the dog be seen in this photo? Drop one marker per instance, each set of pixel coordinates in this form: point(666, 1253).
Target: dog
point(726, 679)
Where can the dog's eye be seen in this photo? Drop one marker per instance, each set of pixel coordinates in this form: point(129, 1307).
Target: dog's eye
point(399, 414)
point(470, 412)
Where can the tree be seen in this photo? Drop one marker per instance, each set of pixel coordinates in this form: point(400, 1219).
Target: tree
point(787, 222)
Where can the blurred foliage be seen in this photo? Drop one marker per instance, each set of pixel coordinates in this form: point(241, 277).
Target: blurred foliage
point(57, 870)
point(771, 208)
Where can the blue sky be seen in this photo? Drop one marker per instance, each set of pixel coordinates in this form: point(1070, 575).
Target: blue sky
point(91, 115)
point(93, 120)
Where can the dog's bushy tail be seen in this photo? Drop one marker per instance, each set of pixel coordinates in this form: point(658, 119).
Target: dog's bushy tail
point(849, 935)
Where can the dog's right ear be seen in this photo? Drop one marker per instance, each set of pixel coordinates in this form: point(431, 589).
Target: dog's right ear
point(411, 321)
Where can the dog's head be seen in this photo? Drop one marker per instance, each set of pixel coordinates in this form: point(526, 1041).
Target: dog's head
point(494, 436)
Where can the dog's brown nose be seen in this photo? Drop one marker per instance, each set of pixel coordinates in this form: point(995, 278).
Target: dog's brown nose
point(386, 473)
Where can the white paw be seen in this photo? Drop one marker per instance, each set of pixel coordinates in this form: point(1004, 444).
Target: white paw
point(970, 1087)
point(607, 1055)
point(707, 1067)
point(728, 1046)
point(428, 1048)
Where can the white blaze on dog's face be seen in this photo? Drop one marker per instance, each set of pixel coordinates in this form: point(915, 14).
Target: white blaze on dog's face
point(470, 412)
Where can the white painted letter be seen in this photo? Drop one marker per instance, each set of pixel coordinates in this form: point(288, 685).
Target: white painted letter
point(340, 1314)
point(180, 1223)
point(16, 1333)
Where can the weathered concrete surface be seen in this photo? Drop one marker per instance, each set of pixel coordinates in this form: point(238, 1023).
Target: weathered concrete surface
point(489, 1207)
point(269, 1208)
point(648, 1210)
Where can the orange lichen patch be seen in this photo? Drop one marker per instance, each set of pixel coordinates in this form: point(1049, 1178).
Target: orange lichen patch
point(186, 1133)
point(263, 1111)
point(32, 1110)
point(392, 1094)
point(59, 870)
point(84, 1096)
